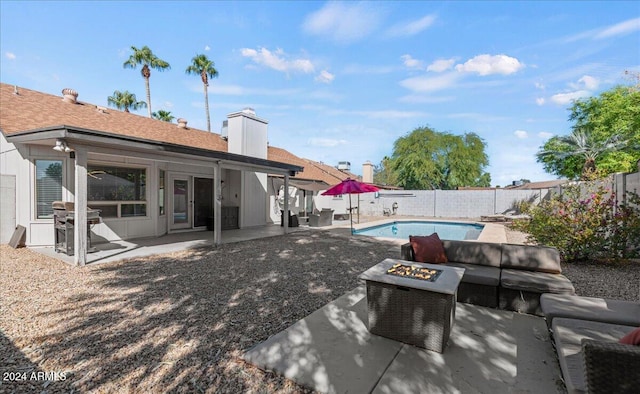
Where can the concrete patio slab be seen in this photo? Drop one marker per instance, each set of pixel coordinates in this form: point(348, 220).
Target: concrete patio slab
point(489, 351)
point(330, 350)
point(107, 252)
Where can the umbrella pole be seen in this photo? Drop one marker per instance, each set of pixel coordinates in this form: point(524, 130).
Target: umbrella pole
point(350, 214)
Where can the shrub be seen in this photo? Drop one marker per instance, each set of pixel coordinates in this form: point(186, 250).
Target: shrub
point(585, 222)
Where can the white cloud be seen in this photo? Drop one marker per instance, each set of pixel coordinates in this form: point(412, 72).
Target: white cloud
point(406, 29)
point(10, 55)
point(491, 64)
point(326, 142)
point(584, 87)
point(278, 60)
point(539, 85)
point(343, 22)
point(430, 84)
point(410, 62)
point(441, 65)
point(620, 29)
point(545, 135)
point(589, 82)
point(207, 48)
point(566, 98)
point(540, 101)
point(521, 134)
point(325, 77)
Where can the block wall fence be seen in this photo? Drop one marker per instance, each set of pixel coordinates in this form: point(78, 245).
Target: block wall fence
point(459, 203)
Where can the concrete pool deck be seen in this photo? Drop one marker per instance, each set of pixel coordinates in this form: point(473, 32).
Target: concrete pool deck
point(489, 351)
point(492, 232)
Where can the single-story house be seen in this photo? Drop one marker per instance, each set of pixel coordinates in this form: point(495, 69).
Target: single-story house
point(147, 177)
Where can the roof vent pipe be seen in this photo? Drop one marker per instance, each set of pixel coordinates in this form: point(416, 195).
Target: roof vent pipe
point(69, 95)
point(182, 123)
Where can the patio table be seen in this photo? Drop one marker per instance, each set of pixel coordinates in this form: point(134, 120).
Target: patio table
point(409, 310)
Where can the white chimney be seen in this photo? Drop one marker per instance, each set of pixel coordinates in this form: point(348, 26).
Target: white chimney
point(367, 172)
point(69, 95)
point(182, 123)
point(247, 134)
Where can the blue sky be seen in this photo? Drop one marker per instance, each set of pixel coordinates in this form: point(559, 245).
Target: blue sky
point(341, 80)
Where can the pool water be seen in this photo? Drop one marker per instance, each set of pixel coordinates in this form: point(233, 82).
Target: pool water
point(445, 230)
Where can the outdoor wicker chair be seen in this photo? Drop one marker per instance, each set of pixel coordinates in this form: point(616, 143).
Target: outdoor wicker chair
point(611, 367)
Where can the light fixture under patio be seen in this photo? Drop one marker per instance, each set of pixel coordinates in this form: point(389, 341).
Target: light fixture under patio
point(61, 146)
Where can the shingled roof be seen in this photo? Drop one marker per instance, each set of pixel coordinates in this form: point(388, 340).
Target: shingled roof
point(313, 170)
point(33, 110)
point(30, 110)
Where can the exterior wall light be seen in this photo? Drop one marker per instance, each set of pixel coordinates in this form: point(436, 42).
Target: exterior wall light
point(61, 146)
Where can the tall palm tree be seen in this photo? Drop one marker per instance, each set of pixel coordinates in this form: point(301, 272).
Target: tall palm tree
point(148, 60)
point(163, 115)
point(581, 143)
point(125, 100)
point(201, 65)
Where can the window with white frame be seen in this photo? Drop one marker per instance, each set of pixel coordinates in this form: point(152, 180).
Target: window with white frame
point(119, 192)
point(48, 186)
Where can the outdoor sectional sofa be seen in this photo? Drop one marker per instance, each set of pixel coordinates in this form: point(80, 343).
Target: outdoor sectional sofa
point(586, 333)
point(505, 276)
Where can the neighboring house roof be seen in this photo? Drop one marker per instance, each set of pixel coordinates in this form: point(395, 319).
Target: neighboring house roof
point(539, 185)
point(313, 170)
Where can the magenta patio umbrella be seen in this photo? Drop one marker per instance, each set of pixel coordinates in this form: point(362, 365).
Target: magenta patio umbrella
point(350, 186)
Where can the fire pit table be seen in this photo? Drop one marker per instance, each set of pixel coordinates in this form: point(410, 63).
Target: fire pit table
point(411, 302)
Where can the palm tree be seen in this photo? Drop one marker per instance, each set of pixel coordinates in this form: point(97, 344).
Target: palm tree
point(148, 60)
point(163, 115)
point(125, 100)
point(581, 143)
point(204, 67)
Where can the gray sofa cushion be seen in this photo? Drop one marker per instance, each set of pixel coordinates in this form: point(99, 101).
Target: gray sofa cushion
point(568, 334)
point(537, 282)
point(479, 274)
point(589, 308)
point(532, 258)
point(473, 252)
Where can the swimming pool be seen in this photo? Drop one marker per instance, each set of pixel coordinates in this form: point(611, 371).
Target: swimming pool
point(445, 230)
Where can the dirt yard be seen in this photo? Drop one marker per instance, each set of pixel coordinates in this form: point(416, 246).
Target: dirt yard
point(178, 322)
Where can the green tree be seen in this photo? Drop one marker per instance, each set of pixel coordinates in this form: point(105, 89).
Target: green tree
point(428, 159)
point(163, 115)
point(583, 145)
point(383, 173)
point(125, 100)
point(601, 126)
point(145, 57)
point(205, 68)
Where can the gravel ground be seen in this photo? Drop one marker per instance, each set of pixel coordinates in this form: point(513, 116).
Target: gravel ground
point(179, 322)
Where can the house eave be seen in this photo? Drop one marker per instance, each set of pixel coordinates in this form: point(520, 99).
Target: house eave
point(81, 135)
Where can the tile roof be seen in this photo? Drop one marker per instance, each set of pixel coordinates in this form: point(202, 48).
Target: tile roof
point(32, 110)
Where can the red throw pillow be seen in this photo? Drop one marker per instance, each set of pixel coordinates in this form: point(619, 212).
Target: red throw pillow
point(428, 249)
point(632, 338)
